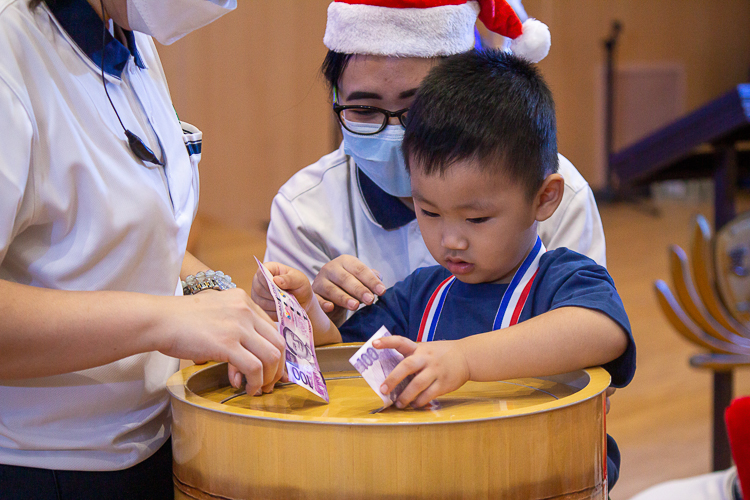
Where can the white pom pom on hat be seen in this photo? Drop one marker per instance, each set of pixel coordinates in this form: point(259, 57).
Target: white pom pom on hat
point(534, 43)
point(428, 28)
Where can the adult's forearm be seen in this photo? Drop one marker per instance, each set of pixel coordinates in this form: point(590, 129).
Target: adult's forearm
point(47, 332)
point(559, 341)
point(191, 265)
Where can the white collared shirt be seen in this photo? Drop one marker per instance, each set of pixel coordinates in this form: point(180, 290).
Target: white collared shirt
point(78, 211)
point(322, 213)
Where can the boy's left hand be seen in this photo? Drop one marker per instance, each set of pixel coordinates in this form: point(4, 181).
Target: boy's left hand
point(438, 367)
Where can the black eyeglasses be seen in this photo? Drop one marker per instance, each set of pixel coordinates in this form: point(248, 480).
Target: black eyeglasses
point(367, 116)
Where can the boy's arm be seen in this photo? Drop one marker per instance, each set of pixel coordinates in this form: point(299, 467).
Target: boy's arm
point(295, 282)
point(582, 337)
point(558, 341)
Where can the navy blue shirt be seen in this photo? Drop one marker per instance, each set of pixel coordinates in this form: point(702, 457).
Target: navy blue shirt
point(565, 279)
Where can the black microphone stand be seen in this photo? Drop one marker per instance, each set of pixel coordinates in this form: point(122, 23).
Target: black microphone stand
point(609, 83)
point(613, 192)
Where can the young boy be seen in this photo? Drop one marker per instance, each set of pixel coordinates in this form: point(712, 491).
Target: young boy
point(481, 150)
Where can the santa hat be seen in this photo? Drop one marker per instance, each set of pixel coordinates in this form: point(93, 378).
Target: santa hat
point(428, 28)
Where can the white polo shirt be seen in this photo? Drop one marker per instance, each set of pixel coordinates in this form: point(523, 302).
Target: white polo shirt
point(78, 211)
point(331, 208)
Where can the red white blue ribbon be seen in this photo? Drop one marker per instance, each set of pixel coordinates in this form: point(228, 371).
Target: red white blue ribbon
point(511, 304)
point(432, 312)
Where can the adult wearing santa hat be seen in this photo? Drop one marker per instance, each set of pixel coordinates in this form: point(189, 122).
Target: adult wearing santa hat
point(347, 221)
point(351, 211)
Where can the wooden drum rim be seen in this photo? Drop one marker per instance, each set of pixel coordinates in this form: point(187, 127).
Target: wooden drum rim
point(177, 385)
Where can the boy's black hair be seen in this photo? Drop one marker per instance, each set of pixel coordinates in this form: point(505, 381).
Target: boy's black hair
point(489, 107)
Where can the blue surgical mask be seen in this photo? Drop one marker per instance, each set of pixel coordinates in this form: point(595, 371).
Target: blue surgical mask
point(379, 156)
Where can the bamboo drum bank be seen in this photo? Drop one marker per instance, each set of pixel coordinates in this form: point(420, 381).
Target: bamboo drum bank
point(533, 438)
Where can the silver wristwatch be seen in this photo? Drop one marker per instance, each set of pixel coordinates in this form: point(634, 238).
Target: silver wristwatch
point(206, 280)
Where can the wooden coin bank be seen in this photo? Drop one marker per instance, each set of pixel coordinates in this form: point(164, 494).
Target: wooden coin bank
point(532, 438)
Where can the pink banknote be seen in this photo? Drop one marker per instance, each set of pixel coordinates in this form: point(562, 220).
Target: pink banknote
point(294, 325)
point(376, 364)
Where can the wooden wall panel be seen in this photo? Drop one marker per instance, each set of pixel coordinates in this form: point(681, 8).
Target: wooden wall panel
point(250, 81)
point(711, 39)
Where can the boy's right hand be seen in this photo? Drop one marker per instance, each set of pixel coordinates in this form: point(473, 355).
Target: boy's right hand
point(344, 283)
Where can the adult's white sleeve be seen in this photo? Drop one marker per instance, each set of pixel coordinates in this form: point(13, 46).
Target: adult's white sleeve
point(576, 225)
point(16, 135)
point(290, 242)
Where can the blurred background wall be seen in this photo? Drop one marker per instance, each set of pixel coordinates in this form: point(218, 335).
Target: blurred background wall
point(708, 41)
point(251, 82)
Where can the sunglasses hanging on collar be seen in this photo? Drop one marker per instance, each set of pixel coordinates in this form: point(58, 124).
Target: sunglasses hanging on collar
point(136, 144)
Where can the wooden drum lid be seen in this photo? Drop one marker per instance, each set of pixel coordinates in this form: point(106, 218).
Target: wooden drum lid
point(532, 438)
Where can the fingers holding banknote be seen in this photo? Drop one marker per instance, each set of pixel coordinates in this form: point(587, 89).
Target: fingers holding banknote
point(225, 326)
point(288, 279)
point(262, 296)
point(234, 374)
point(438, 367)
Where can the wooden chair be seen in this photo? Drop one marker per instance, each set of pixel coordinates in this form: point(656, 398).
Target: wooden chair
point(699, 315)
point(704, 271)
point(732, 262)
point(693, 304)
point(686, 326)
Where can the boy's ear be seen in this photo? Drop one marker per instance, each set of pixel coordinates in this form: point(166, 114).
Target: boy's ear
point(549, 196)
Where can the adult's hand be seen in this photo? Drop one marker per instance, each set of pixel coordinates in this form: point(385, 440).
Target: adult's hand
point(262, 296)
point(344, 284)
point(227, 326)
point(48, 332)
point(296, 283)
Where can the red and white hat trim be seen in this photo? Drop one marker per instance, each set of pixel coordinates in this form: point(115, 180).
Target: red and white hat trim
point(387, 31)
point(427, 28)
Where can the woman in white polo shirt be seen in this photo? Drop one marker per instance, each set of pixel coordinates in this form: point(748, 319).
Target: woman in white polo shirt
point(350, 213)
point(98, 189)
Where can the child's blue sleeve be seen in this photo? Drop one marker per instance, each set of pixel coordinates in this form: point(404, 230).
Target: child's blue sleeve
point(573, 280)
point(391, 310)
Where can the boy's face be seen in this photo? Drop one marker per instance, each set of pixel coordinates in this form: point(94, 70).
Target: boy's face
point(478, 225)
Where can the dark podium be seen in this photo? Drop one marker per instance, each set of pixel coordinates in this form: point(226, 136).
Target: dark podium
point(703, 144)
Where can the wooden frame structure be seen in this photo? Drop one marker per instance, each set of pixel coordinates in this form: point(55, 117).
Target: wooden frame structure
point(703, 144)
